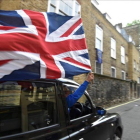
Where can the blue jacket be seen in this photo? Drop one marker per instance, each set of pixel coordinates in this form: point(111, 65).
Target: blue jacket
point(73, 98)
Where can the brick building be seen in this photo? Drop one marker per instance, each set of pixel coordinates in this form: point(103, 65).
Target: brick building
point(115, 79)
point(134, 32)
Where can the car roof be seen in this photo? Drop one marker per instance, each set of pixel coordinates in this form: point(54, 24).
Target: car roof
point(68, 81)
point(61, 80)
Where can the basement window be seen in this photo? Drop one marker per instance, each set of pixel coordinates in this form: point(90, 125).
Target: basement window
point(113, 72)
point(123, 75)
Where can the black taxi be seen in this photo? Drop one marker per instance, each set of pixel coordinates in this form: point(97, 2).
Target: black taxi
point(37, 110)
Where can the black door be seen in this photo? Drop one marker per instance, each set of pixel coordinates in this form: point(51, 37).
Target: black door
point(33, 111)
point(86, 125)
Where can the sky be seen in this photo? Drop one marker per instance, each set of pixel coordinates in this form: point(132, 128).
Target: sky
point(120, 11)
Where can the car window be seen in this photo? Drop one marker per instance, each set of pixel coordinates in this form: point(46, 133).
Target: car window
point(26, 106)
point(80, 108)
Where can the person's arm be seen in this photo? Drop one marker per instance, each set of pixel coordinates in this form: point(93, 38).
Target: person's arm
point(73, 98)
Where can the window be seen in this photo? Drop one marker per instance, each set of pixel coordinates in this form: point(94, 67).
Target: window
point(113, 72)
point(64, 7)
point(83, 104)
point(113, 48)
point(137, 66)
point(98, 68)
point(118, 29)
point(26, 106)
point(122, 55)
point(98, 43)
point(138, 79)
point(99, 38)
point(134, 64)
point(123, 75)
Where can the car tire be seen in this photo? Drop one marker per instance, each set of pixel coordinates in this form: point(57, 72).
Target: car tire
point(117, 135)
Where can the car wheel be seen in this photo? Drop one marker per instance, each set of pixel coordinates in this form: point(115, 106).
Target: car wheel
point(115, 137)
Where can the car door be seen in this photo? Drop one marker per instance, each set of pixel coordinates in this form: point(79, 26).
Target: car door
point(31, 111)
point(89, 125)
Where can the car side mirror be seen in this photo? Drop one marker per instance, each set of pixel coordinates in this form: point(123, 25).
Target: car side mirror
point(100, 111)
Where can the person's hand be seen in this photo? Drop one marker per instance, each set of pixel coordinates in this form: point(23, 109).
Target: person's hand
point(90, 77)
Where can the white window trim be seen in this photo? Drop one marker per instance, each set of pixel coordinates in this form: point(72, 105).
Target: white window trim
point(115, 71)
point(134, 64)
point(57, 7)
point(114, 48)
point(78, 9)
point(138, 80)
point(99, 38)
point(124, 55)
point(124, 75)
point(101, 67)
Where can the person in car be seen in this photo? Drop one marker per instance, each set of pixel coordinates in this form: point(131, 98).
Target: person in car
point(71, 99)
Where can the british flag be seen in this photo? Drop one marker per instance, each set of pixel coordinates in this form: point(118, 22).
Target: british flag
point(41, 45)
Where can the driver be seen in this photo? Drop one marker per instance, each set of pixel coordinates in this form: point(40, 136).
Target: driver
point(71, 99)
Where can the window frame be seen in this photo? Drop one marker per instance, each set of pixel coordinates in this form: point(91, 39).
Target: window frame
point(101, 68)
point(58, 10)
point(124, 75)
point(122, 55)
point(138, 80)
point(134, 64)
point(115, 71)
point(26, 113)
point(87, 96)
point(113, 48)
point(99, 37)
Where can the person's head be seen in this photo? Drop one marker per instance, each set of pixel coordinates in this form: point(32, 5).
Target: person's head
point(66, 90)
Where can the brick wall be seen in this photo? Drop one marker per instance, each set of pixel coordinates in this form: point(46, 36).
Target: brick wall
point(133, 55)
point(36, 5)
point(10, 4)
point(91, 16)
point(108, 91)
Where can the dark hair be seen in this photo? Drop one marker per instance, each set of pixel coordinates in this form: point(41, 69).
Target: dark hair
point(65, 88)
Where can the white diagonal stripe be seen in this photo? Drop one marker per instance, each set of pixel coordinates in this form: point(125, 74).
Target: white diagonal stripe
point(61, 30)
point(19, 60)
point(13, 65)
point(5, 55)
point(74, 55)
point(59, 39)
point(25, 17)
point(30, 27)
point(76, 29)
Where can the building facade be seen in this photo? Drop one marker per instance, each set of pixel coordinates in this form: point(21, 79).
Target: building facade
point(115, 78)
point(134, 55)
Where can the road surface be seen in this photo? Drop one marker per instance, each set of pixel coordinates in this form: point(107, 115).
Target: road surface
point(130, 114)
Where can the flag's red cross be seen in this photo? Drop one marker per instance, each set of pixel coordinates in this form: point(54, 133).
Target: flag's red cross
point(36, 43)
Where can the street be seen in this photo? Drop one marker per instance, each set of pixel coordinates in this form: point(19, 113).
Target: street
point(130, 114)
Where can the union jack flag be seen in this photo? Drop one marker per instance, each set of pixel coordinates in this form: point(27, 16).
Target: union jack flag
point(41, 45)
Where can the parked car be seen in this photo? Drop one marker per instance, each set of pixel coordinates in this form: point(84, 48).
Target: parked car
point(37, 110)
